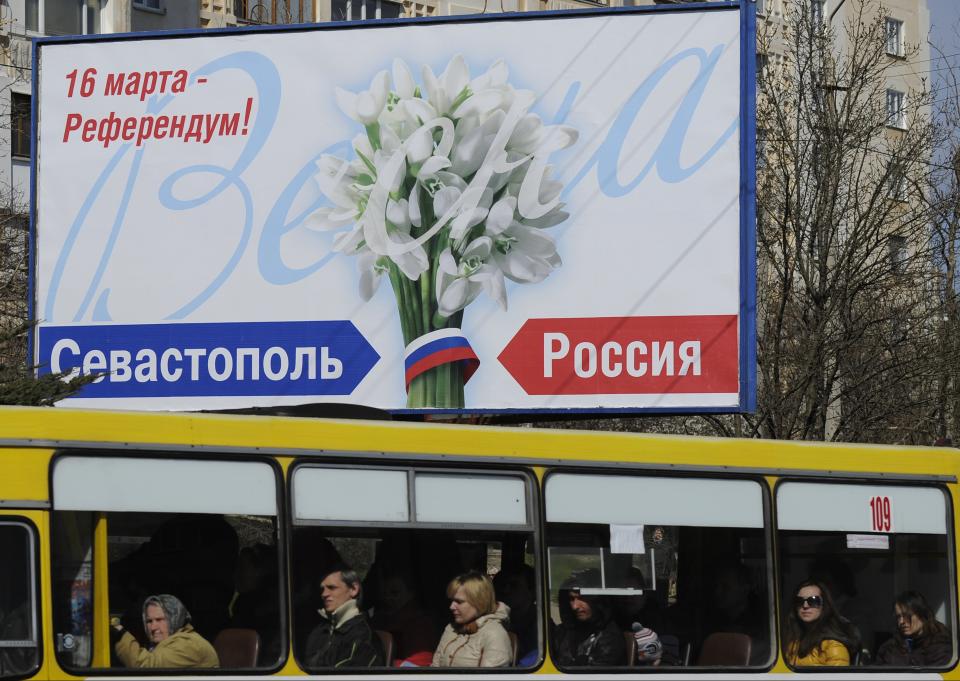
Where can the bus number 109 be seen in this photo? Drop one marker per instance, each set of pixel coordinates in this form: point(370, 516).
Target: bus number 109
point(880, 512)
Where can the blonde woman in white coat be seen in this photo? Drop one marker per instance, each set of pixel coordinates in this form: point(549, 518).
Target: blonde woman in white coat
point(476, 637)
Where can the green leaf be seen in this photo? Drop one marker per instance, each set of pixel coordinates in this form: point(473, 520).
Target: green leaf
point(367, 162)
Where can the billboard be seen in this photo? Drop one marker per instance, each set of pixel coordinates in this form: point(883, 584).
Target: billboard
point(523, 213)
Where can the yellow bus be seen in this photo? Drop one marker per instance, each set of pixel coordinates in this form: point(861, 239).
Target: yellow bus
point(695, 546)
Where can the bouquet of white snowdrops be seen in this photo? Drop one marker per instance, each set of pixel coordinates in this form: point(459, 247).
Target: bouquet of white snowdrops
point(448, 195)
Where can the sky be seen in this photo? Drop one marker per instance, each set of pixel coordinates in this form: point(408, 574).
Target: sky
point(945, 35)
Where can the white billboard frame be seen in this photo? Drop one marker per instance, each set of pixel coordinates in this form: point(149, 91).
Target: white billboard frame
point(610, 354)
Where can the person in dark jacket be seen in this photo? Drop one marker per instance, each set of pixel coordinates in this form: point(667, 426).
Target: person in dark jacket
point(920, 641)
point(517, 587)
point(255, 603)
point(344, 637)
point(587, 636)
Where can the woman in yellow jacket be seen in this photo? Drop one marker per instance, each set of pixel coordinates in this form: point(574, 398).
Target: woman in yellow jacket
point(814, 632)
point(173, 642)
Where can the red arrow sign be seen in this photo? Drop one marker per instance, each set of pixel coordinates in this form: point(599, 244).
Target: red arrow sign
point(625, 355)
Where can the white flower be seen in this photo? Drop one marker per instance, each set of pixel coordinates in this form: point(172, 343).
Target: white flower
point(467, 155)
point(443, 91)
point(371, 268)
point(494, 77)
point(462, 208)
point(525, 254)
point(336, 180)
point(365, 106)
point(472, 148)
point(458, 284)
point(403, 79)
point(531, 136)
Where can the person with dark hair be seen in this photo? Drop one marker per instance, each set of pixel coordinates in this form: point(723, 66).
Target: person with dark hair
point(814, 632)
point(587, 636)
point(173, 642)
point(476, 637)
point(920, 640)
point(256, 603)
point(398, 611)
point(344, 637)
point(312, 554)
point(517, 588)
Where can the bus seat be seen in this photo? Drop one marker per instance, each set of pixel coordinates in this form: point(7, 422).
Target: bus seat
point(386, 641)
point(672, 653)
point(514, 647)
point(630, 642)
point(237, 648)
point(725, 649)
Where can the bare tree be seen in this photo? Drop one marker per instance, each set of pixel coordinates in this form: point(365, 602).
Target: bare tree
point(944, 196)
point(18, 383)
point(851, 339)
point(845, 326)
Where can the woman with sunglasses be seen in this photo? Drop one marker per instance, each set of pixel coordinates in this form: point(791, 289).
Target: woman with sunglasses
point(814, 633)
point(920, 641)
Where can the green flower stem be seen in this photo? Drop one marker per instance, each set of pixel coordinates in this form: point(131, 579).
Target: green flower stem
point(440, 387)
point(398, 294)
point(373, 134)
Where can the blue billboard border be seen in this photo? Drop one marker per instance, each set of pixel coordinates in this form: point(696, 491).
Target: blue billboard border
point(748, 207)
point(32, 359)
point(747, 332)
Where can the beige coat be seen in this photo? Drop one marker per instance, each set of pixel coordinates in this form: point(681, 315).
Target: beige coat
point(184, 649)
point(489, 647)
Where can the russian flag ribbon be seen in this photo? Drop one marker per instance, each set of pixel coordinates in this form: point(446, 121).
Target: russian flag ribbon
point(439, 347)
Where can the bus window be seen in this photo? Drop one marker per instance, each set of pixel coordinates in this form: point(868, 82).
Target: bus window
point(18, 601)
point(192, 543)
point(406, 533)
point(870, 552)
point(682, 564)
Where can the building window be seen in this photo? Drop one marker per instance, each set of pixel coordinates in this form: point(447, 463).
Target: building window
point(762, 148)
point(149, 4)
point(894, 29)
point(897, 182)
point(761, 7)
point(763, 62)
point(818, 9)
point(275, 12)
point(896, 114)
point(63, 17)
point(356, 10)
point(898, 252)
point(19, 125)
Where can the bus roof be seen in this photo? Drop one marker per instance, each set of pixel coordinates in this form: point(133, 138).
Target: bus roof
point(88, 429)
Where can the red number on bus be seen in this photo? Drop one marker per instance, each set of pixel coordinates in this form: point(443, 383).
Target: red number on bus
point(881, 514)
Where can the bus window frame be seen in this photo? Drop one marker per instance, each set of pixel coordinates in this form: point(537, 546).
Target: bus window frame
point(412, 470)
point(951, 549)
point(35, 584)
point(770, 554)
point(534, 527)
point(280, 486)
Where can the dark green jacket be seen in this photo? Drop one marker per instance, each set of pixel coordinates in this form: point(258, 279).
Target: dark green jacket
point(344, 639)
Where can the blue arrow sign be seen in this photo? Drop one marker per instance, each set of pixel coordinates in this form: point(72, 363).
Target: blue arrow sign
point(211, 359)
